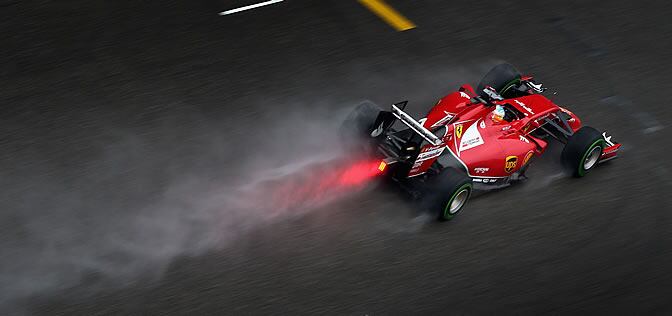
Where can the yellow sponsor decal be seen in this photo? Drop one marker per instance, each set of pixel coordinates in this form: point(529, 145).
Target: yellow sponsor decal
point(511, 162)
point(527, 127)
point(458, 130)
point(527, 157)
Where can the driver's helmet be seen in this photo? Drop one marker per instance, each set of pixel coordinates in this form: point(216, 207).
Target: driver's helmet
point(498, 114)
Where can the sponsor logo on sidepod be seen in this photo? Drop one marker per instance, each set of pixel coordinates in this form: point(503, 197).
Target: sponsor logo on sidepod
point(510, 165)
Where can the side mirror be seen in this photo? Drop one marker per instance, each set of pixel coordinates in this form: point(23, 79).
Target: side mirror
point(536, 87)
point(492, 94)
point(467, 88)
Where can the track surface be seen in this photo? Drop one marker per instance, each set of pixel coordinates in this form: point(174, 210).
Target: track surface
point(123, 121)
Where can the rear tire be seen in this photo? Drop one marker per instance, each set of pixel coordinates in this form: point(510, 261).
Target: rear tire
point(583, 151)
point(501, 78)
point(356, 128)
point(449, 194)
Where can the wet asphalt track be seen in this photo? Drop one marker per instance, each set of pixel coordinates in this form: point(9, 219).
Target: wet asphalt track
point(127, 126)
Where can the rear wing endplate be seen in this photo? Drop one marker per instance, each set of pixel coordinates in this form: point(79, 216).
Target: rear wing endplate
point(415, 126)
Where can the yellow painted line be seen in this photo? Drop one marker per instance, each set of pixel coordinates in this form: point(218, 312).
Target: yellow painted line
point(387, 13)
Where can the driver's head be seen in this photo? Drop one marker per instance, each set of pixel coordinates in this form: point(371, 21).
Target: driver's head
point(498, 114)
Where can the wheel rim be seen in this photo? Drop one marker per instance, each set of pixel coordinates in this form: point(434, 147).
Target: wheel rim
point(592, 158)
point(459, 200)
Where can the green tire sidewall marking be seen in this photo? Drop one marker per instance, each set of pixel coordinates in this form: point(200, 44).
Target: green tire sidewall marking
point(582, 171)
point(509, 85)
point(446, 209)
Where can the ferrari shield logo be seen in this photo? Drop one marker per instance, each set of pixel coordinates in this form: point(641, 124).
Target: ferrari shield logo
point(458, 130)
point(511, 162)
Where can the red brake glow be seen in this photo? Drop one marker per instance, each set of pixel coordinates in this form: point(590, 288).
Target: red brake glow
point(360, 173)
point(317, 184)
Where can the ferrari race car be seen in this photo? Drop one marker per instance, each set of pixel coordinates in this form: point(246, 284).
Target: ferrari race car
point(473, 140)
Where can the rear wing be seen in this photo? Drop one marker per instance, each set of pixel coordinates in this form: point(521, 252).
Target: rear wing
point(415, 126)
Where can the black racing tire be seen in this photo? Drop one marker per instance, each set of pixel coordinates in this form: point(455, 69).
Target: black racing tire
point(356, 128)
point(448, 194)
point(501, 78)
point(583, 151)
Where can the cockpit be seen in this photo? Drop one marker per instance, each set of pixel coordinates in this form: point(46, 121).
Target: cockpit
point(505, 113)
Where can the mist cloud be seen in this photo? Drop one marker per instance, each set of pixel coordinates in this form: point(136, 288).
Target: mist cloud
point(146, 198)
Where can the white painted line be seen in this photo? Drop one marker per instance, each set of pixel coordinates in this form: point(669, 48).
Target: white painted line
point(248, 7)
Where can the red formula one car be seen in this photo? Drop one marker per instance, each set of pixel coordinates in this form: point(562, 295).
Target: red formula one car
point(474, 140)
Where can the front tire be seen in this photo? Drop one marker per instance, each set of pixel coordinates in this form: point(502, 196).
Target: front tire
point(501, 77)
point(449, 194)
point(583, 151)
